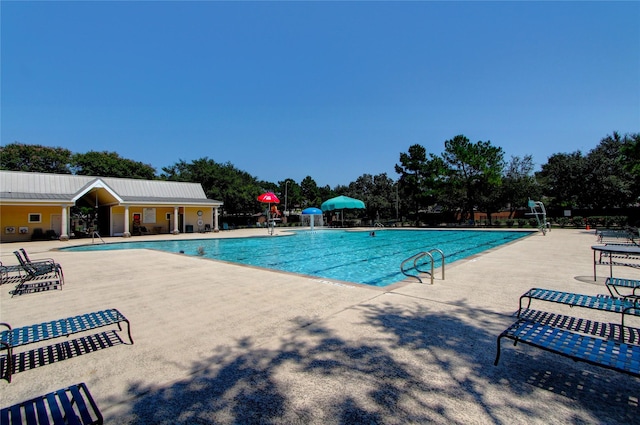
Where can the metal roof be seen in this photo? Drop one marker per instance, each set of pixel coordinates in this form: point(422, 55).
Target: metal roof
point(16, 185)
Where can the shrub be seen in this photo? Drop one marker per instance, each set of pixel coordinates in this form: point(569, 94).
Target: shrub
point(621, 220)
point(607, 221)
point(577, 221)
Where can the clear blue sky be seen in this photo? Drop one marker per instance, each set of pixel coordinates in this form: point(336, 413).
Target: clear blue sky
point(332, 90)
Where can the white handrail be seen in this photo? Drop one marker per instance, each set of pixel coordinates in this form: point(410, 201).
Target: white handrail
point(417, 257)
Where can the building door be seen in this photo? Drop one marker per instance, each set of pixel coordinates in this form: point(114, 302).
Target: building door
point(56, 223)
point(104, 214)
point(117, 224)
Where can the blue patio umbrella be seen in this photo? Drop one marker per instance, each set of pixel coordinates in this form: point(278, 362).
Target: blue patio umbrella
point(312, 211)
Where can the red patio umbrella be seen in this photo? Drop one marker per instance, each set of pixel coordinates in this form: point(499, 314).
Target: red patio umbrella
point(269, 198)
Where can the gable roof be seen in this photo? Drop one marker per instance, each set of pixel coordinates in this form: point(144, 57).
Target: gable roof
point(38, 187)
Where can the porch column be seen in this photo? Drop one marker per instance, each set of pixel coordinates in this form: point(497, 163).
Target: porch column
point(64, 226)
point(175, 221)
point(127, 233)
point(215, 220)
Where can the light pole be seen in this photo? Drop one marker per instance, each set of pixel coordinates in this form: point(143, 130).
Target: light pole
point(397, 183)
point(285, 198)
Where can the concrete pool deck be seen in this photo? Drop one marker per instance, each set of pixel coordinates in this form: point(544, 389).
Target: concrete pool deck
point(220, 343)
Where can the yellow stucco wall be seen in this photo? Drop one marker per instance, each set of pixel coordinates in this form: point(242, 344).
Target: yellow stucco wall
point(155, 218)
point(191, 218)
point(16, 227)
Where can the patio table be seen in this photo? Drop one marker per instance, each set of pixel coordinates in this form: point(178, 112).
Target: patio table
point(622, 251)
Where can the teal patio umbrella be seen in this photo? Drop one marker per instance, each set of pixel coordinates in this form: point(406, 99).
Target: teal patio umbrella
point(342, 203)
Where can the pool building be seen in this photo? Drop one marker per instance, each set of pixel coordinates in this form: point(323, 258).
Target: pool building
point(37, 206)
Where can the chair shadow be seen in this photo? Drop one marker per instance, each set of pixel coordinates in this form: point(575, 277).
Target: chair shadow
point(42, 356)
point(35, 287)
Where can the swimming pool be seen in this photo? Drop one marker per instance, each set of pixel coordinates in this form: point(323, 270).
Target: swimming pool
point(352, 256)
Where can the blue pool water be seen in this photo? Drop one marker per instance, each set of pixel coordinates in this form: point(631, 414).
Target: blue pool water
point(351, 256)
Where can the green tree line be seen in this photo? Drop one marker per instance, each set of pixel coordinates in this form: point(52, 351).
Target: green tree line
point(464, 178)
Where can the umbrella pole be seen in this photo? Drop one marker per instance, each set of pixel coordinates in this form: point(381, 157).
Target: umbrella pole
point(269, 218)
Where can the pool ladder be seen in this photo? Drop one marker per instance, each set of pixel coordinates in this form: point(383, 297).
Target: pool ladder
point(416, 266)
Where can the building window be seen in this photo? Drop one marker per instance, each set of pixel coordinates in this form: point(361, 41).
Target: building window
point(149, 215)
point(35, 218)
